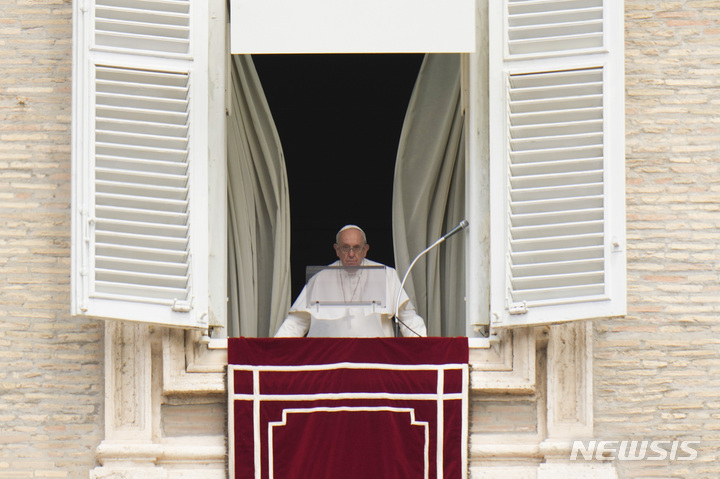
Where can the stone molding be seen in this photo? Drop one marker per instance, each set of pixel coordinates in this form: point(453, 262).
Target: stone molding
point(144, 363)
point(507, 365)
point(563, 354)
point(189, 366)
point(135, 382)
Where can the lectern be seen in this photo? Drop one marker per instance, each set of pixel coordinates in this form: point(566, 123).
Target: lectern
point(351, 408)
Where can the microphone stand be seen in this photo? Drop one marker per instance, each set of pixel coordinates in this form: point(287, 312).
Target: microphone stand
point(461, 226)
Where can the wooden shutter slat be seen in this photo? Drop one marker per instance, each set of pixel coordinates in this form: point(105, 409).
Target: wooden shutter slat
point(556, 230)
point(157, 204)
point(573, 191)
point(147, 29)
point(144, 26)
point(555, 216)
point(144, 177)
point(587, 293)
point(560, 242)
point(137, 42)
point(554, 27)
point(143, 241)
point(141, 153)
point(142, 279)
point(129, 165)
point(137, 292)
point(556, 142)
point(568, 127)
point(142, 266)
point(143, 229)
point(588, 41)
point(545, 117)
point(551, 7)
point(555, 255)
point(559, 268)
point(139, 140)
point(141, 253)
point(179, 6)
point(558, 94)
point(144, 190)
point(145, 102)
point(532, 29)
point(554, 179)
point(529, 165)
point(548, 281)
point(161, 131)
point(148, 116)
point(556, 204)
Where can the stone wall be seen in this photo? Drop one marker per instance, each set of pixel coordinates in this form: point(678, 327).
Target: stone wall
point(657, 371)
point(51, 366)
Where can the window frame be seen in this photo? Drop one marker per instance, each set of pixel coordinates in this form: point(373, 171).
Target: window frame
point(484, 292)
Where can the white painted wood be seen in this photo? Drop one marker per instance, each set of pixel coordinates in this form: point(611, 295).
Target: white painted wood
point(477, 187)
point(218, 61)
point(557, 163)
point(140, 155)
point(332, 26)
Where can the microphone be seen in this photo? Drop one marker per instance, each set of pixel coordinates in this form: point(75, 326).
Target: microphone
point(461, 226)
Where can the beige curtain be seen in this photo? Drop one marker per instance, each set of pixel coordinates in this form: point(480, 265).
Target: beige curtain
point(428, 196)
point(258, 210)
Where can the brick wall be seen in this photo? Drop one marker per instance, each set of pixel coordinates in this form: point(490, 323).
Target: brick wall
point(657, 371)
point(205, 416)
point(51, 383)
point(500, 415)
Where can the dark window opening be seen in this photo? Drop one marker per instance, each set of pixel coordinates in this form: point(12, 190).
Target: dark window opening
point(339, 119)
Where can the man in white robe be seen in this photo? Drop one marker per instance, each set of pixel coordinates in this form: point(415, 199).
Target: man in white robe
point(350, 288)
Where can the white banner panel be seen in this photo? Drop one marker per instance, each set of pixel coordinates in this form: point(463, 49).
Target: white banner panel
point(352, 26)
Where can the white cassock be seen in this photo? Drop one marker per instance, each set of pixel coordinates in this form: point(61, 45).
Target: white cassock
point(345, 310)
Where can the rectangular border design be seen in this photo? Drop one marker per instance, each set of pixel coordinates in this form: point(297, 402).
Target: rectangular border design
point(359, 397)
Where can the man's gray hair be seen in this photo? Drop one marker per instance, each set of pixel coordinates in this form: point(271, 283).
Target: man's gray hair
point(350, 227)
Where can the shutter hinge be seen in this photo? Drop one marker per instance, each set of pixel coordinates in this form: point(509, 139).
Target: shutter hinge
point(182, 306)
point(518, 308)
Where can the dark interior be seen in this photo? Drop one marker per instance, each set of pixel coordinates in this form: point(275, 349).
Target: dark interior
point(339, 119)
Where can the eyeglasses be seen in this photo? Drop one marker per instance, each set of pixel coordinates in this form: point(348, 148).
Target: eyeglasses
point(347, 248)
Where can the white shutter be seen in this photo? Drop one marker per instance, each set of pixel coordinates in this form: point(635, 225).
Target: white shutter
point(160, 26)
point(557, 161)
point(542, 26)
point(139, 162)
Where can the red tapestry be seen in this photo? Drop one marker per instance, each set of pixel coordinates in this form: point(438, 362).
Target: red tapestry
point(351, 408)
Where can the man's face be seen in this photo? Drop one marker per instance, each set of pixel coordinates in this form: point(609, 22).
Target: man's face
point(351, 249)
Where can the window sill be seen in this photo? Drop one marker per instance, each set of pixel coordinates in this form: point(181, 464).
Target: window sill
point(473, 343)
point(504, 363)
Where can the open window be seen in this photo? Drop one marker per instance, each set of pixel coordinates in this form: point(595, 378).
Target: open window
point(545, 162)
